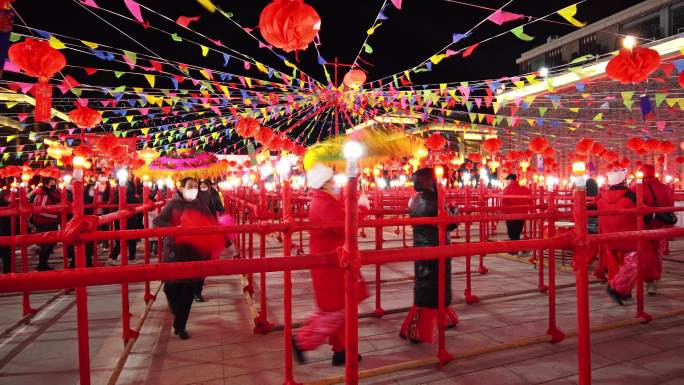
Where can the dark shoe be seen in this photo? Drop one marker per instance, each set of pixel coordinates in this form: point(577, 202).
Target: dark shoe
point(515, 254)
point(614, 295)
point(44, 268)
point(340, 358)
point(297, 352)
point(199, 298)
point(182, 334)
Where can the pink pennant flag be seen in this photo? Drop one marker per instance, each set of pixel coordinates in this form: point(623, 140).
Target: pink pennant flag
point(478, 102)
point(53, 125)
point(20, 147)
point(71, 131)
point(470, 50)
point(397, 4)
point(90, 3)
point(450, 52)
point(11, 67)
point(144, 111)
point(661, 125)
point(262, 45)
point(83, 102)
point(465, 91)
point(23, 116)
point(104, 103)
point(186, 20)
point(25, 87)
point(2, 149)
point(499, 17)
point(134, 8)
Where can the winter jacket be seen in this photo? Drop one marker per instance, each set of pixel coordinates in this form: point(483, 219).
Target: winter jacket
point(133, 197)
point(328, 283)
point(46, 197)
point(662, 194)
point(170, 216)
point(514, 188)
point(617, 197)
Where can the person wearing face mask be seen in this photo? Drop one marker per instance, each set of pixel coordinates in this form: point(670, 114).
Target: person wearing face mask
point(212, 197)
point(327, 323)
point(180, 293)
point(133, 196)
point(46, 195)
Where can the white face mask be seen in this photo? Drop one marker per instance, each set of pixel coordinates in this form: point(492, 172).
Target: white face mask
point(190, 194)
point(205, 189)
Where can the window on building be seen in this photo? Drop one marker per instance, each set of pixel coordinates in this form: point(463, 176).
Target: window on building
point(587, 45)
point(553, 58)
point(677, 16)
point(647, 27)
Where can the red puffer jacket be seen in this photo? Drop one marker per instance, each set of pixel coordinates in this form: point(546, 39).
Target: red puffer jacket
point(615, 199)
point(46, 197)
point(329, 283)
point(661, 193)
point(514, 188)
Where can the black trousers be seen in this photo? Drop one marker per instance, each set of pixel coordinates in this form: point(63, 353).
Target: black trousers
point(180, 296)
point(514, 229)
point(199, 286)
point(46, 248)
point(89, 248)
point(132, 245)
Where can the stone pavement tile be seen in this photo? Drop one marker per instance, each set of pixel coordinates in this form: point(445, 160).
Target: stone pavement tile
point(624, 349)
point(553, 366)
point(191, 357)
point(560, 381)
point(500, 358)
point(664, 339)
point(669, 363)
point(188, 374)
point(499, 376)
point(196, 341)
point(624, 373)
point(264, 377)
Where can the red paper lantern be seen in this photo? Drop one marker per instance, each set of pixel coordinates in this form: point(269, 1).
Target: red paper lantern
point(597, 149)
point(475, 157)
point(526, 155)
point(299, 150)
point(635, 144)
point(681, 79)
point(14, 171)
point(354, 78)
point(36, 58)
point(584, 146)
point(275, 144)
point(666, 147)
point(679, 159)
point(85, 117)
point(264, 135)
point(492, 145)
point(547, 153)
point(288, 145)
point(83, 151)
point(633, 66)
point(435, 142)
point(609, 156)
point(651, 145)
point(538, 145)
point(289, 24)
point(107, 142)
point(247, 127)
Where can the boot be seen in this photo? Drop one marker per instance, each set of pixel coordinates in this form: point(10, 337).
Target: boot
point(340, 358)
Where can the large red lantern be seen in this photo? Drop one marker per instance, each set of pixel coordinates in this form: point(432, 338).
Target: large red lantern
point(85, 117)
point(584, 146)
point(246, 127)
point(475, 157)
point(83, 151)
point(681, 79)
point(107, 142)
point(36, 58)
point(435, 142)
point(492, 145)
point(264, 135)
point(635, 144)
point(275, 144)
point(289, 24)
point(299, 150)
point(633, 65)
point(651, 145)
point(354, 78)
point(538, 145)
point(666, 147)
point(288, 145)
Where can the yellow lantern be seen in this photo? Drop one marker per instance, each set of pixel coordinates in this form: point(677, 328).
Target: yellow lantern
point(57, 151)
point(421, 152)
point(148, 155)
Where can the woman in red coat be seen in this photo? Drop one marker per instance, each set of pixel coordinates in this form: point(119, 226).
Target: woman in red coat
point(328, 321)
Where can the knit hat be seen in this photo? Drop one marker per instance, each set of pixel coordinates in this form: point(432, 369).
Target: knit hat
point(318, 175)
point(617, 176)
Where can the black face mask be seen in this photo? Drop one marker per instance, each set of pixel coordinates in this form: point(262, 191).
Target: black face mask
point(53, 187)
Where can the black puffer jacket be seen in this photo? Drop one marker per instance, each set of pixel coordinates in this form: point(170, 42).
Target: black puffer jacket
point(424, 204)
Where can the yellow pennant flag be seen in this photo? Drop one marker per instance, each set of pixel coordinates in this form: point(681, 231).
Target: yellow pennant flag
point(371, 31)
point(261, 67)
point(90, 44)
point(205, 50)
point(568, 13)
point(145, 131)
point(56, 43)
point(150, 79)
point(208, 5)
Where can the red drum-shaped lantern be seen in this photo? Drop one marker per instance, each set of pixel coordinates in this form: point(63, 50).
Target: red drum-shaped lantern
point(475, 157)
point(651, 145)
point(538, 145)
point(547, 153)
point(289, 24)
point(681, 79)
point(633, 66)
point(635, 144)
point(435, 142)
point(666, 147)
point(36, 58)
point(246, 127)
point(85, 117)
point(275, 144)
point(107, 142)
point(83, 151)
point(492, 145)
point(584, 146)
point(354, 78)
point(264, 135)
point(597, 149)
point(288, 145)
point(299, 150)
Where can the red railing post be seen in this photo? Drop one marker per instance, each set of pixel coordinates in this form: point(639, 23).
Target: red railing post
point(23, 229)
point(553, 331)
point(468, 292)
point(287, 287)
point(379, 312)
point(641, 249)
point(81, 293)
point(580, 265)
point(128, 333)
point(352, 265)
point(63, 220)
point(146, 224)
point(540, 233)
point(443, 355)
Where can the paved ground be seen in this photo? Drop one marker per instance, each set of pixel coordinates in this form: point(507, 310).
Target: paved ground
point(223, 349)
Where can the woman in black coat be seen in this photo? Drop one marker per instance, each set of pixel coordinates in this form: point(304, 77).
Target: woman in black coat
point(420, 324)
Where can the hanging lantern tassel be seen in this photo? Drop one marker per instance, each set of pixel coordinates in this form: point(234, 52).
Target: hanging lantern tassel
point(43, 94)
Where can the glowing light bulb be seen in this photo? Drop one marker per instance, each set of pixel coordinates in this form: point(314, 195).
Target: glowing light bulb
point(629, 42)
point(544, 72)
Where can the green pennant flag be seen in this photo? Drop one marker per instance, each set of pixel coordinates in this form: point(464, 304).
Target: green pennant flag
point(598, 117)
point(520, 34)
point(542, 111)
point(628, 104)
point(659, 99)
point(175, 37)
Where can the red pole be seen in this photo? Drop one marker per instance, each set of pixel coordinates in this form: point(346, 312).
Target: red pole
point(123, 253)
point(442, 354)
point(553, 331)
point(81, 294)
point(379, 312)
point(63, 221)
point(146, 224)
point(23, 229)
point(468, 294)
point(351, 265)
point(581, 264)
point(540, 233)
point(641, 248)
point(287, 287)
point(13, 224)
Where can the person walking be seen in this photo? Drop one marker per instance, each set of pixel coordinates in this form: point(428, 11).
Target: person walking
point(46, 195)
point(180, 293)
point(134, 222)
point(656, 194)
point(619, 257)
point(420, 325)
point(515, 227)
point(327, 323)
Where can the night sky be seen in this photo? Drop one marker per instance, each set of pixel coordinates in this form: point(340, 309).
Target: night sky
point(409, 36)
